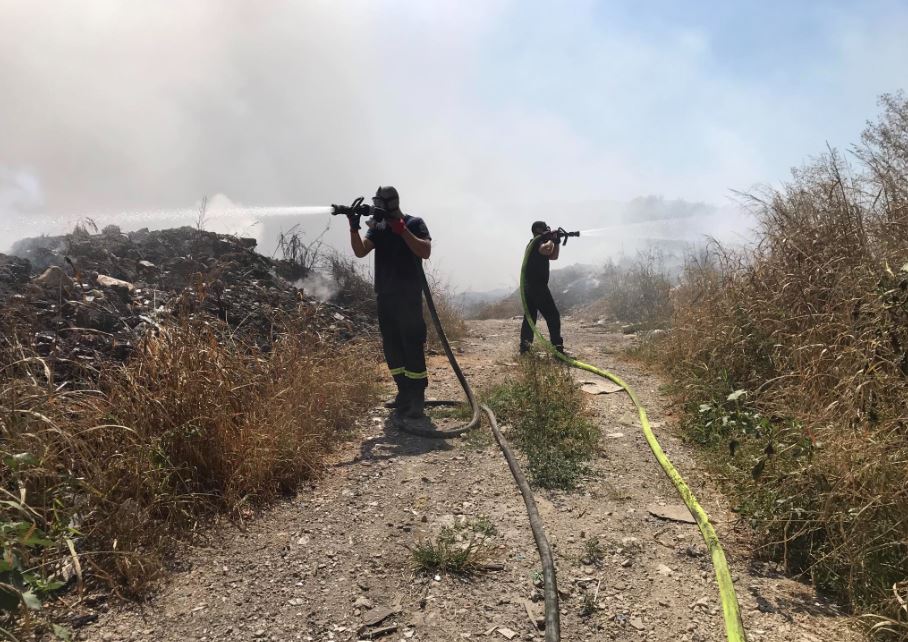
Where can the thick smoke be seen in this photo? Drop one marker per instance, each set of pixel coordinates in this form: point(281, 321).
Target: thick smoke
point(470, 108)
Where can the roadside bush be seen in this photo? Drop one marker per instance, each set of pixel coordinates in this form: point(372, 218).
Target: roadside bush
point(352, 284)
point(810, 330)
point(105, 481)
point(639, 293)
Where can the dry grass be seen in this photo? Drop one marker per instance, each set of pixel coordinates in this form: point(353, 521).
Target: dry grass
point(813, 325)
point(449, 313)
point(353, 284)
point(639, 293)
point(191, 427)
point(506, 308)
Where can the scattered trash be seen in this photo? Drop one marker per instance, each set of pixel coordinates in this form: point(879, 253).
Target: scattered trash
point(599, 387)
point(376, 616)
point(536, 618)
point(674, 512)
point(83, 300)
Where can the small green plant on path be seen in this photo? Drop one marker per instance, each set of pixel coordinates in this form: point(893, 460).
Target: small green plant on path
point(461, 549)
point(593, 552)
point(549, 421)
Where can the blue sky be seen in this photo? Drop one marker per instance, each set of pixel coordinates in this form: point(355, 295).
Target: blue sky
point(480, 111)
point(675, 86)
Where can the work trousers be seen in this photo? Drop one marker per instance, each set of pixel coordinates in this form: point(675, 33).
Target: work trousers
point(403, 334)
point(539, 299)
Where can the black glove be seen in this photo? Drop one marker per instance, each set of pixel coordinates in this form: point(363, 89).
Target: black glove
point(354, 217)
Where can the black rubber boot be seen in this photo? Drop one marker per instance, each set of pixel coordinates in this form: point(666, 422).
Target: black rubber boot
point(417, 407)
point(402, 399)
point(560, 348)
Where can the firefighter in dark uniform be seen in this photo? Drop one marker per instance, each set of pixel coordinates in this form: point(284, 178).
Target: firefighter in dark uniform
point(400, 242)
point(536, 287)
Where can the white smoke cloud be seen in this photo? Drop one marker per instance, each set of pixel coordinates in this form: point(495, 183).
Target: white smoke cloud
point(20, 195)
point(222, 215)
point(20, 190)
point(318, 285)
point(478, 111)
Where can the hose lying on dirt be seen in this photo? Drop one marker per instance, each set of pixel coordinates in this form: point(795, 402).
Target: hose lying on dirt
point(414, 429)
point(550, 589)
point(734, 627)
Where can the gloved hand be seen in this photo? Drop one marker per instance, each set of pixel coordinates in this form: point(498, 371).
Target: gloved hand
point(397, 225)
point(354, 217)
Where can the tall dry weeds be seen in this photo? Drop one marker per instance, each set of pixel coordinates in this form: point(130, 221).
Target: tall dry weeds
point(639, 293)
point(813, 324)
point(192, 426)
point(449, 313)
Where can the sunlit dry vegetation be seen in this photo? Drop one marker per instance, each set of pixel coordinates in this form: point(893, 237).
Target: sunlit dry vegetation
point(793, 357)
point(638, 293)
point(100, 483)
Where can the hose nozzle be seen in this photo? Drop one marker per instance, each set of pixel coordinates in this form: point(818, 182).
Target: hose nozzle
point(347, 210)
point(563, 235)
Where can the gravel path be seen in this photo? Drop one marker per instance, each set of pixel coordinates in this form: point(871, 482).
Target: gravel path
point(323, 565)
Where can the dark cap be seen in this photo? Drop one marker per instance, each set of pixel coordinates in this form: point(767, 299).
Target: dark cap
point(538, 226)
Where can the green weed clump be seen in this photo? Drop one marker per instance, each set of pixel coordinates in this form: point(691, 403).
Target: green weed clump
point(593, 552)
point(793, 360)
point(461, 549)
point(550, 425)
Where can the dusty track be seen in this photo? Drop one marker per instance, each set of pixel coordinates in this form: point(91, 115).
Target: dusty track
point(316, 567)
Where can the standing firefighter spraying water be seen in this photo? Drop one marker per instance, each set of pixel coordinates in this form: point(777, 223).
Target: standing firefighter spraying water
point(400, 242)
point(546, 247)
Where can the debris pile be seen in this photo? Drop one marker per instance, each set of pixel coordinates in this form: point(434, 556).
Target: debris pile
point(82, 299)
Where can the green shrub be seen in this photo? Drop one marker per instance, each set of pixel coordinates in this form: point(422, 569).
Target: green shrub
point(549, 421)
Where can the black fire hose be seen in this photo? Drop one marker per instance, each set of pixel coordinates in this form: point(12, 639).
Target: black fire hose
point(474, 421)
point(550, 588)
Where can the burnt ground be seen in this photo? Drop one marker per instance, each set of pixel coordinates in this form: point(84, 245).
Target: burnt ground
point(319, 566)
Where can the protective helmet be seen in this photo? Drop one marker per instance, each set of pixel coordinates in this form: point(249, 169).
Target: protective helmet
point(538, 227)
point(389, 196)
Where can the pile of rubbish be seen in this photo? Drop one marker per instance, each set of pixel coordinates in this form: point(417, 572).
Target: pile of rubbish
point(83, 299)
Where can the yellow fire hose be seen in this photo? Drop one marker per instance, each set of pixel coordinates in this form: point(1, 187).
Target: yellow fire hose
point(734, 627)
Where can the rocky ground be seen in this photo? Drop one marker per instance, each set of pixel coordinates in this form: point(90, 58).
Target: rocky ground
point(335, 562)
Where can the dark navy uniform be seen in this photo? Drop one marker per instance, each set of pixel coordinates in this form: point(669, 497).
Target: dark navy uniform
point(398, 289)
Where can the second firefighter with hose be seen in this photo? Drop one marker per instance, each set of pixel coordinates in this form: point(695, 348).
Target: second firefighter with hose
point(401, 242)
point(545, 249)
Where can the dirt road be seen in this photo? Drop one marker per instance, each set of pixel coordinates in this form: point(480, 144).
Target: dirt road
point(320, 566)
